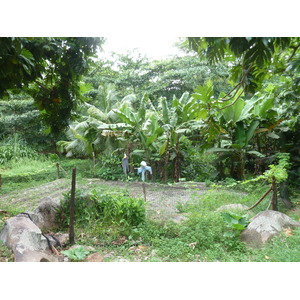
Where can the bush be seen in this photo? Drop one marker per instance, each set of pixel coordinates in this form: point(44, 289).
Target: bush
point(109, 168)
point(108, 208)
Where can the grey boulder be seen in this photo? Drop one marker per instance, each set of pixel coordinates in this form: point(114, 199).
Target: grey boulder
point(264, 226)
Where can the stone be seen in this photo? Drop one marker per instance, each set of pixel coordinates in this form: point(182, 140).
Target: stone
point(62, 238)
point(25, 239)
point(233, 207)
point(264, 226)
point(45, 215)
point(95, 257)
point(39, 256)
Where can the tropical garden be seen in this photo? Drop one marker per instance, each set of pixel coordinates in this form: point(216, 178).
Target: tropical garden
point(224, 113)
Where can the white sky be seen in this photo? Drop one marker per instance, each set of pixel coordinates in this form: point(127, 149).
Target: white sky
point(154, 47)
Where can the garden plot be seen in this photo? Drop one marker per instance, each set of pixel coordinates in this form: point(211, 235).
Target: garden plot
point(162, 200)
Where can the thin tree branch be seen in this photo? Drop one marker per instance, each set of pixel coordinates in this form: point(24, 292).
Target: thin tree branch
point(42, 85)
point(294, 52)
point(261, 199)
point(237, 86)
point(235, 99)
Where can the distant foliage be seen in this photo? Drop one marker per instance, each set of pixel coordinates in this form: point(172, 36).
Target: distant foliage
point(15, 148)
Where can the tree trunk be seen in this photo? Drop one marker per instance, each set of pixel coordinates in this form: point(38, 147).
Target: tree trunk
point(177, 164)
point(128, 154)
point(237, 170)
point(166, 161)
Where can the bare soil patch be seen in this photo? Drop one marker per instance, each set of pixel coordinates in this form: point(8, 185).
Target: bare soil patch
point(161, 199)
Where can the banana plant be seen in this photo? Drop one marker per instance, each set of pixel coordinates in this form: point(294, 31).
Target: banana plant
point(142, 129)
point(241, 122)
point(178, 120)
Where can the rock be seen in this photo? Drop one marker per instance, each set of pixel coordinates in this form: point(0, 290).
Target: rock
point(45, 215)
point(95, 257)
point(264, 226)
point(25, 239)
point(62, 239)
point(236, 206)
point(40, 256)
point(20, 232)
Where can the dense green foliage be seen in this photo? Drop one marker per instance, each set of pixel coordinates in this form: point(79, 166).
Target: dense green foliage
point(105, 208)
point(239, 101)
point(49, 69)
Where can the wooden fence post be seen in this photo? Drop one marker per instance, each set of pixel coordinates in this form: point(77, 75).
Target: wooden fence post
point(144, 191)
point(72, 204)
point(58, 174)
point(0, 181)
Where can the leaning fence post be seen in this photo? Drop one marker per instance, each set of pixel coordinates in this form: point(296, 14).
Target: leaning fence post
point(72, 204)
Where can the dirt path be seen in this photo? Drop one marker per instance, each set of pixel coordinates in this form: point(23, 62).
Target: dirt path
point(162, 199)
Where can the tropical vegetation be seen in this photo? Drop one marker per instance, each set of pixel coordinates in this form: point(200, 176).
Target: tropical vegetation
point(227, 111)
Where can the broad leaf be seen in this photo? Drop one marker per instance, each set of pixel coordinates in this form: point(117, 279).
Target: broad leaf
point(233, 112)
point(250, 132)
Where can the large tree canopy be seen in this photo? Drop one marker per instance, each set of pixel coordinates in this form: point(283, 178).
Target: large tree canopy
point(49, 69)
point(253, 59)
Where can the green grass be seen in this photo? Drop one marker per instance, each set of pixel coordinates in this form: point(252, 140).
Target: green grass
point(6, 255)
point(200, 238)
point(27, 172)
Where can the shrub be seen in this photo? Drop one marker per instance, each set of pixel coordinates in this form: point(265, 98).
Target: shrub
point(109, 168)
point(76, 254)
point(109, 208)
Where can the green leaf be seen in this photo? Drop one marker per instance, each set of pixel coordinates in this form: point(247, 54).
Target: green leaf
point(258, 154)
point(163, 148)
point(273, 135)
point(233, 112)
point(219, 150)
point(249, 106)
point(151, 139)
point(204, 93)
point(251, 131)
point(238, 226)
point(240, 135)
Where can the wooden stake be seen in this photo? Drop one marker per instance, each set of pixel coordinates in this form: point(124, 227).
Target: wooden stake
point(58, 174)
point(0, 181)
point(144, 191)
point(72, 204)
